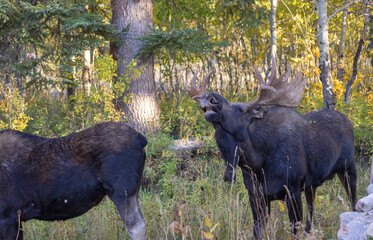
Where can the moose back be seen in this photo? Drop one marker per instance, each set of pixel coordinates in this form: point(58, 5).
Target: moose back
point(61, 178)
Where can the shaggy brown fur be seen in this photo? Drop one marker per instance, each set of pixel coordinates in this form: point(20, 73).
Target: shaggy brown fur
point(61, 178)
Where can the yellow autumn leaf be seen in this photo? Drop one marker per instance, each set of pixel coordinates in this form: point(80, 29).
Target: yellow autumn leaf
point(212, 229)
point(181, 210)
point(207, 222)
point(281, 206)
point(207, 235)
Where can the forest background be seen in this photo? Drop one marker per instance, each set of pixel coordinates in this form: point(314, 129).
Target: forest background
point(58, 74)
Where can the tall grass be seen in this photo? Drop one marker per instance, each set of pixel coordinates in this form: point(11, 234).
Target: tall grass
point(198, 184)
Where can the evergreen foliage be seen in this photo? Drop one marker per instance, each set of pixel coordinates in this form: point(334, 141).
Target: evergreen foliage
point(40, 41)
point(180, 41)
point(245, 14)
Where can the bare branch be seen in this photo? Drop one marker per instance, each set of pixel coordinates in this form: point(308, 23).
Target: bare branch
point(340, 10)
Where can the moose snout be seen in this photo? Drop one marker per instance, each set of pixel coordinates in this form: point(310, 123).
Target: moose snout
point(203, 104)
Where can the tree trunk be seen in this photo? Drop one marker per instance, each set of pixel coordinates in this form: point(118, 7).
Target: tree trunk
point(273, 30)
point(356, 57)
point(342, 47)
point(325, 68)
point(273, 41)
point(142, 109)
point(87, 71)
point(71, 88)
point(220, 73)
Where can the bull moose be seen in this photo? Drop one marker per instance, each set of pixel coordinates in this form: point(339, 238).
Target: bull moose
point(280, 152)
point(61, 178)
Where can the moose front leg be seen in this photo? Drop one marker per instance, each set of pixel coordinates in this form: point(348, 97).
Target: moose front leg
point(9, 229)
point(295, 210)
point(132, 215)
point(260, 205)
point(260, 214)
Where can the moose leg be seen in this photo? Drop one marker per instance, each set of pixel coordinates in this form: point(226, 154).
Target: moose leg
point(259, 204)
point(19, 232)
point(310, 198)
point(121, 177)
point(9, 230)
point(348, 179)
point(295, 211)
point(132, 216)
point(258, 208)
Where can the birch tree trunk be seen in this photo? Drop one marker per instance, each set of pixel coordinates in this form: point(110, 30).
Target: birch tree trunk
point(142, 109)
point(87, 71)
point(325, 65)
point(342, 46)
point(87, 67)
point(273, 27)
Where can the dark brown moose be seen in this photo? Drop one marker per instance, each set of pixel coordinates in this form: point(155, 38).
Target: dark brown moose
point(280, 152)
point(61, 178)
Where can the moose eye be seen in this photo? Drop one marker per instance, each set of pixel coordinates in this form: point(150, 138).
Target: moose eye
point(213, 101)
point(238, 110)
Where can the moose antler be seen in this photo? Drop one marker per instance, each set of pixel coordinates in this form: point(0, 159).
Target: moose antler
point(278, 91)
point(195, 91)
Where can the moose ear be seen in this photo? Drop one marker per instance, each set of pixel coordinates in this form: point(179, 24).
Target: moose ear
point(259, 112)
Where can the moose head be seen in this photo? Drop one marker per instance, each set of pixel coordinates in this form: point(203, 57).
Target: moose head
point(233, 118)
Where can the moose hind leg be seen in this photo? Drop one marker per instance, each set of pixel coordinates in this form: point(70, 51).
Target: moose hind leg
point(348, 179)
point(132, 216)
point(310, 198)
point(350, 188)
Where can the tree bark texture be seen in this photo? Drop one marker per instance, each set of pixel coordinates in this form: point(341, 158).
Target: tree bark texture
point(325, 65)
point(342, 46)
point(87, 71)
point(142, 109)
point(356, 57)
point(273, 41)
point(273, 29)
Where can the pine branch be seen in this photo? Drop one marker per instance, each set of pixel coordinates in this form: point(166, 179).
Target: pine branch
point(186, 40)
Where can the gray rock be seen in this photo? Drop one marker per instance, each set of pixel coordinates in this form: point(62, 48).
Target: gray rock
point(370, 189)
point(347, 217)
point(354, 225)
point(188, 144)
point(369, 231)
point(365, 204)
